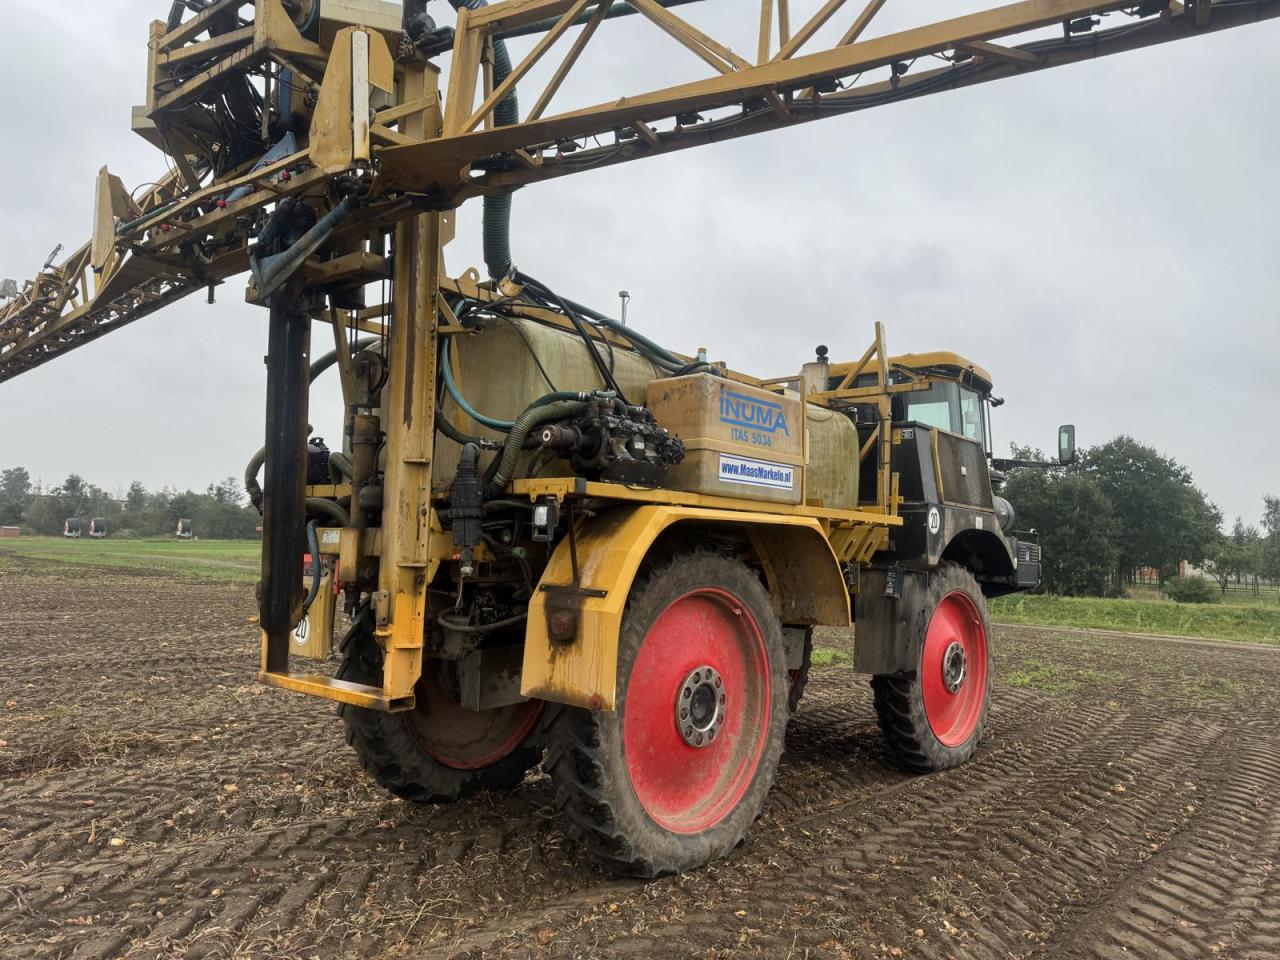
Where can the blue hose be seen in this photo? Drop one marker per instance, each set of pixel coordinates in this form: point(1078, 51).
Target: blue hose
point(446, 371)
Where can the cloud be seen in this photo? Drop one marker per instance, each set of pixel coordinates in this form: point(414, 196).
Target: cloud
point(1100, 237)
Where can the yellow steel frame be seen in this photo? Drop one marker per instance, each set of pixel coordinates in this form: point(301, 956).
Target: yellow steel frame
point(67, 305)
point(808, 588)
point(383, 122)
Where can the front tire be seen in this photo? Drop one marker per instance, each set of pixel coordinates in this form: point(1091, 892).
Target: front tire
point(932, 718)
point(676, 775)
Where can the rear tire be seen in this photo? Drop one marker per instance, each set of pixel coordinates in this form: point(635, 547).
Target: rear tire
point(669, 780)
point(933, 717)
point(437, 752)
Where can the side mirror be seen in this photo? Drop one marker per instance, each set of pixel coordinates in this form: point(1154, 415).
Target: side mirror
point(1067, 444)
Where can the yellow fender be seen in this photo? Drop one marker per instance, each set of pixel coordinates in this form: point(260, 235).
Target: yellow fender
point(803, 575)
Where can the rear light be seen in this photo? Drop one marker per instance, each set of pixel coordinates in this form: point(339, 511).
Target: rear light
point(562, 625)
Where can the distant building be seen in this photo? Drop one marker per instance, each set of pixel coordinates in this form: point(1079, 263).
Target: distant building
point(9, 533)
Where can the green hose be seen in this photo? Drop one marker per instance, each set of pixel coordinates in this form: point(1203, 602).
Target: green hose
point(520, 430)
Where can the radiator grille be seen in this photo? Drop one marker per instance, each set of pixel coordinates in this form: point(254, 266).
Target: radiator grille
point(962, 466)
point(1028, 552)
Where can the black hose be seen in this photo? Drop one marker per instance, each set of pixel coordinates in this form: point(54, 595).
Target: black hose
point(314, 546)
point(695, 367)
point(539, 289)
point(457, 436)
point(330, 358)
point(653, 351)
point(451, 622)
point(330, 509)
point(340, 467)
point(497, 206)
point(251, 486)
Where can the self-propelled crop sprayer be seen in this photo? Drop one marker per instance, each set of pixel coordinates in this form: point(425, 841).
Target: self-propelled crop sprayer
point(557, 541)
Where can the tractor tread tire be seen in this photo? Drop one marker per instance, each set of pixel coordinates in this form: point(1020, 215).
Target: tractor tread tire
point(899, 701)
point(585, 759)
point(389, 753)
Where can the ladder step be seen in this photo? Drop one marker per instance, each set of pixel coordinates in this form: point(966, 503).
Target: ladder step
point(343, 691)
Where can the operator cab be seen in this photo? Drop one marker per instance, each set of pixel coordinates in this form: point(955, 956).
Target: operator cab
point(957, 398)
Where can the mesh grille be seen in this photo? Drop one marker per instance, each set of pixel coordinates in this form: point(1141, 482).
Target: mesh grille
point(963, 465)
point(1028, 552)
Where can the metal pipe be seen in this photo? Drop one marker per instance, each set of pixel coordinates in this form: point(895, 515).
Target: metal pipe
point(271, 273)
point(366, 437)
point(284, 485)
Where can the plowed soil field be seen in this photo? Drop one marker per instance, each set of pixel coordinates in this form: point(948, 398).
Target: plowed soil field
point(156, 802)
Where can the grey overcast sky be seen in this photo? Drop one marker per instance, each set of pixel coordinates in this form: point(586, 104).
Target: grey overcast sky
point(1101, 237)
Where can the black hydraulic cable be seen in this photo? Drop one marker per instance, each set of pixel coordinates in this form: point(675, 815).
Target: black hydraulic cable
point(314, 546)
point(538, 289)
point(693, 368)
point(251, 485)
point(457, 436)
point(645, 346)
point(451, 622)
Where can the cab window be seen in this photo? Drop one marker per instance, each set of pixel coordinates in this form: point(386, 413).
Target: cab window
point(947, 406)
point(971, 416)
point(939, 406)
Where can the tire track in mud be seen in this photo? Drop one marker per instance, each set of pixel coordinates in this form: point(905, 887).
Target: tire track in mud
point(858, 858)
point(1200, 896)
point(1091, 820)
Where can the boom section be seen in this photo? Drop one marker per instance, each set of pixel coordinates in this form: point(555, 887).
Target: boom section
point(257, 103)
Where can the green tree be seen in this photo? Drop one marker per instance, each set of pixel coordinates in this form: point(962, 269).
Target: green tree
point(44, 513)
point(75, 495)
point(135, 506)
point(1161, 518)
point(1074, 521)
point(15, 492)
point(1270, 566)
point(1223, 562)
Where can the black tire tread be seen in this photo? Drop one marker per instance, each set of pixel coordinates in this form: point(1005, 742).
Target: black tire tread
point(388, 751)
point(593, 795)
point(899, 701)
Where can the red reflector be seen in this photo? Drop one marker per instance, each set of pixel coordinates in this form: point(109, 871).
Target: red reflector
point(562, 625)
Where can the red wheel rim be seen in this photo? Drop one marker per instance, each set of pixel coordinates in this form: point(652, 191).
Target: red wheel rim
point(955, 649)
point(465, 739)
point(683, 788)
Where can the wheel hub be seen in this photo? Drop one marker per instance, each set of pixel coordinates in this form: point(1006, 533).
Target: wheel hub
point(955, 667)
point(700, 707)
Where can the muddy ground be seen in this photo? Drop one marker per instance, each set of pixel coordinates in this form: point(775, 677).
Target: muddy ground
point(156, 802)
